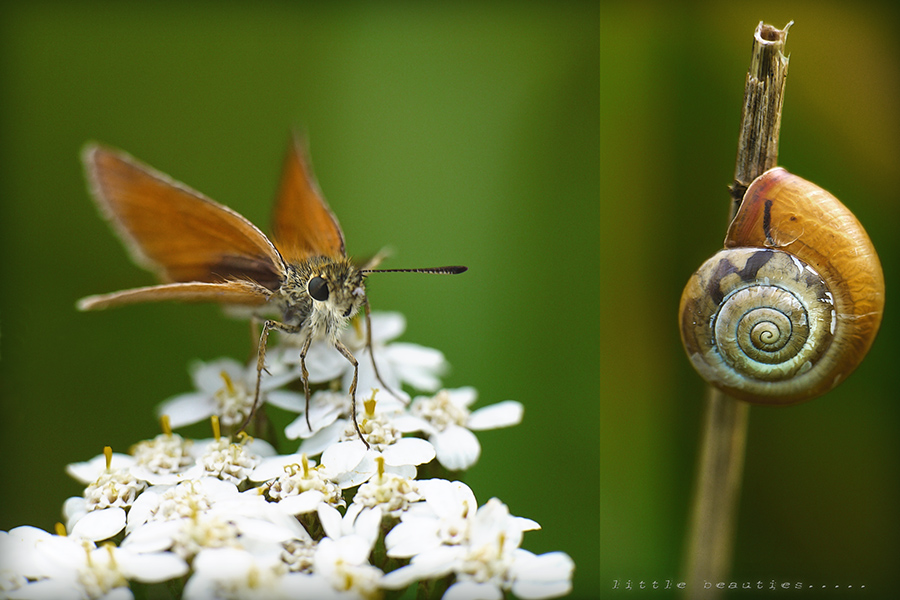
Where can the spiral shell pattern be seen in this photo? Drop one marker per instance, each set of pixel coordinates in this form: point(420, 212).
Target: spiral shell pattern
point(758, 322)
point(792, 304)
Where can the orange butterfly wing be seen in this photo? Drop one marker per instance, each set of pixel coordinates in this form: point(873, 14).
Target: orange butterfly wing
point(246, 293)
point(177, 232)
point(303, 225)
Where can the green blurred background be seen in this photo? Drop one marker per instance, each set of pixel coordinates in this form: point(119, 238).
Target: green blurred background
point(454, 133)
point(821, 498)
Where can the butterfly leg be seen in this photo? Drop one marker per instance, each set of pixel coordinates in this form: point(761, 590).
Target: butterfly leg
point(268, 326)
point(304, 376)
point(387, 388)
point(349, 356)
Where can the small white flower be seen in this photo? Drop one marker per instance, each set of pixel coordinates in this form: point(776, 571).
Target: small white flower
point(185, 499)
point(99, 514)
point(160, 460)
point(345, 453)
point(343, 563)
point(331, 423)
point(227, 389)
point(443, 519)
point(393, 493)
point(227, 460)
point(446, 420)
point(113, 488)
point(193, 534)
point(297, 485)
point(88, 471)
point(342, 558)
point(480, 549)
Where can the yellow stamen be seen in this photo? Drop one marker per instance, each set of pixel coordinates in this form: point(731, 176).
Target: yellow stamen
point(165, 424)
point(60, 529)
point(229, 384)
point(107, 452)
point(379, 462)
point(110, 547)
point(369, 404)
point(305, 462)
point(217, 430)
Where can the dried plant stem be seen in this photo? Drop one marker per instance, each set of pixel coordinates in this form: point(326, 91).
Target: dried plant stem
point(721, 461)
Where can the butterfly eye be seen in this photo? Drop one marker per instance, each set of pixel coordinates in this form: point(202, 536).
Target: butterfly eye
point(318, 289)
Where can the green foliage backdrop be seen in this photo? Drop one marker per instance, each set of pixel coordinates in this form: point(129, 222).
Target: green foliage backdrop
point(453, 133)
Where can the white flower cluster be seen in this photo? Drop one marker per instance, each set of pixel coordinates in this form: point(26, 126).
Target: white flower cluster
point(231, 518)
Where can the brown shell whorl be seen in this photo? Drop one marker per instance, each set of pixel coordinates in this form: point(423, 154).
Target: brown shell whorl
point(792, 304)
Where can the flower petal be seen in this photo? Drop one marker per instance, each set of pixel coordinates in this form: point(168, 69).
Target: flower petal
point(471, 590)
point(154, 536)
point(431, 564)
point(417, 365)
point(412, 536)
point(387, 326)
point(289, 401)
point(207, 376)
point(367, 525)
point(448, 499)
point(324, 363)
point(100, 524)
point(305, 502)
point(343, 456)
point(546, 576)
point(457, 447)
point(317, 442)
point(331, 521)
point(151, 568)
point(358, 474)
point(501, 414)
point(407, 423)
point(409, 451)
point(464, 396)
point(186, 409)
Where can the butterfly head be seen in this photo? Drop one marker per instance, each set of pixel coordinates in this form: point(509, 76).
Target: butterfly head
point(323, 293)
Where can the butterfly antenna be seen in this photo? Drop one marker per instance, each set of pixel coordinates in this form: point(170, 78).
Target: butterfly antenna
point(454, 270)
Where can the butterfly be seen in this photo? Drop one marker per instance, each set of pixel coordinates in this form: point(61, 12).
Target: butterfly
point(203, 251)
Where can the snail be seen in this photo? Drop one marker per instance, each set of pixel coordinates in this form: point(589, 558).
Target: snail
point(792, 304)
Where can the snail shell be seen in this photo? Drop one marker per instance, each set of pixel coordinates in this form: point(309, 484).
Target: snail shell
point(792, 304)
